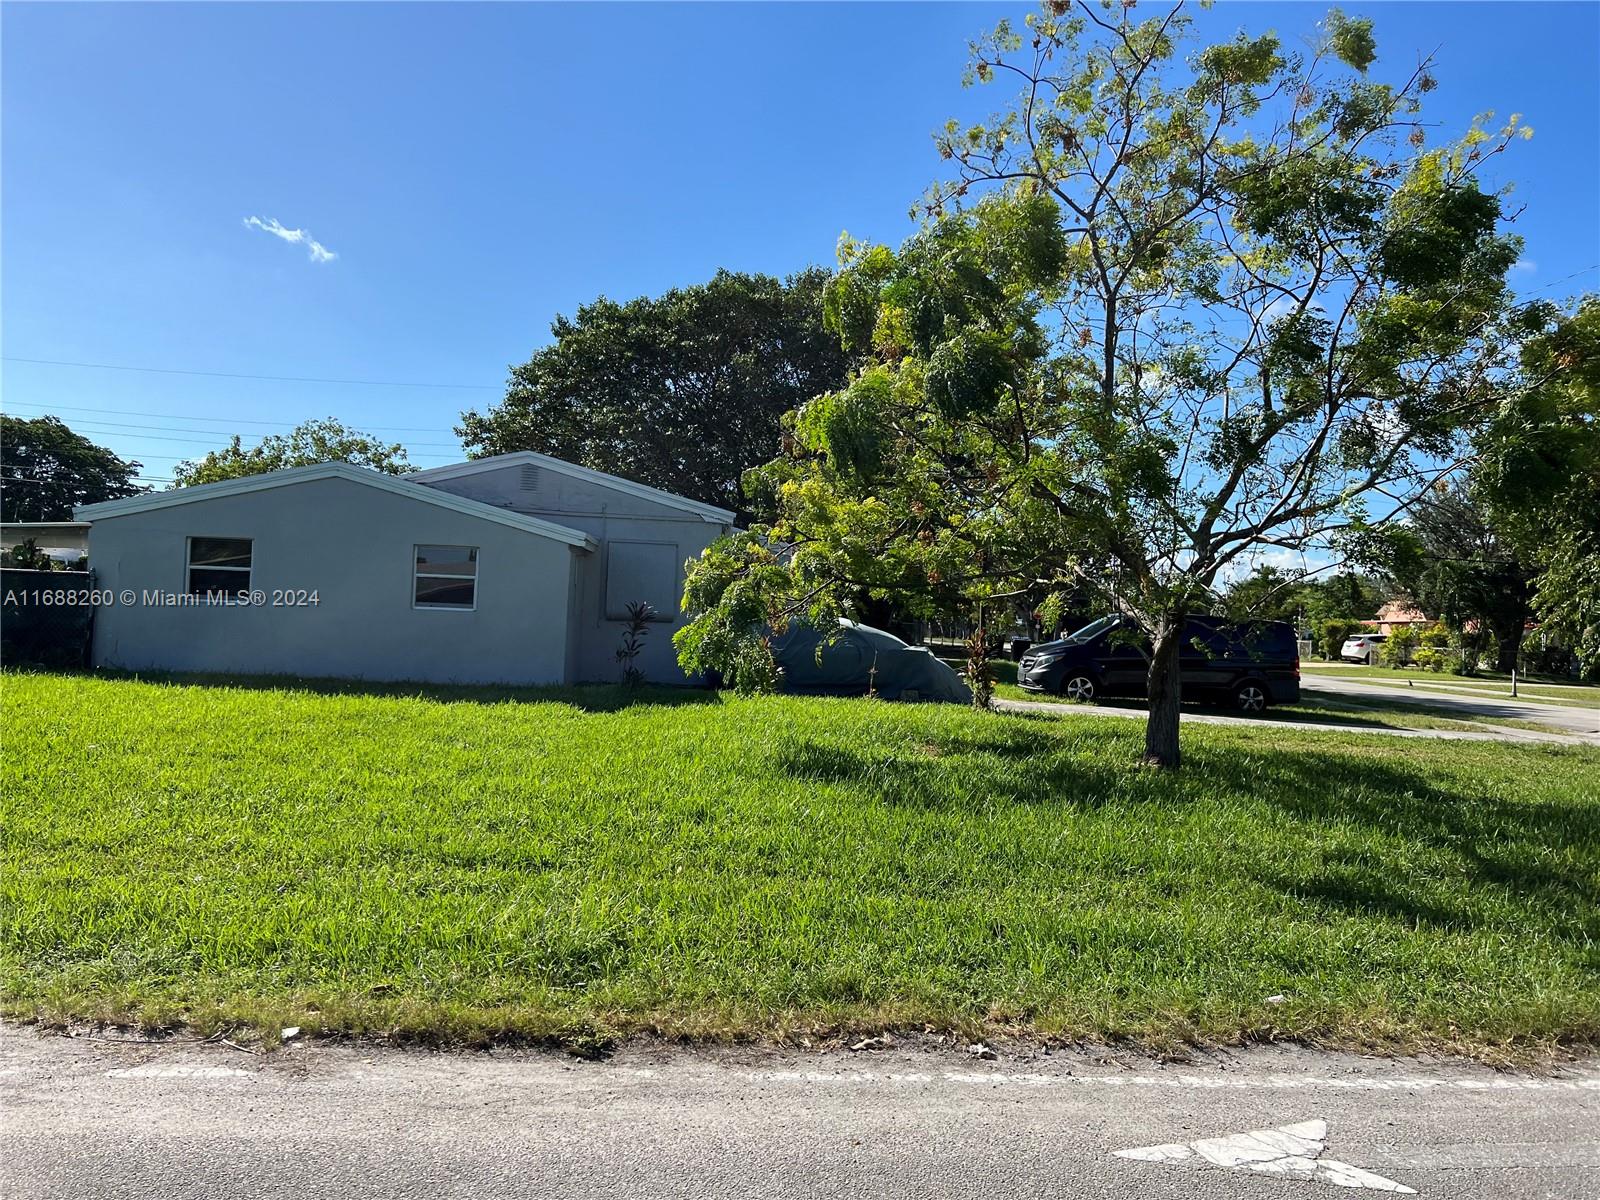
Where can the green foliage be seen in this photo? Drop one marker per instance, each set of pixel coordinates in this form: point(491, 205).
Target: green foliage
point(969, 374)
point(46, 470)
point(462, 863)
point(1350, 38)
point(26, 556)
point(848, 426)
point(1176, 304)
point(1541, 473)
point(1457, 564)
point(304, 446)
point(683, 391)
point(634, 630)
point(1434, 652)
point(1397, 651)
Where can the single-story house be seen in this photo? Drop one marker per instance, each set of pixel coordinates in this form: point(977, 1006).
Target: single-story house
point(1400, 614)
point(60, 539)
point(514, 569)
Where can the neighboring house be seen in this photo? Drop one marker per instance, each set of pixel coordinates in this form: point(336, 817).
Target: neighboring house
point(513, 569)
point(1396, 614)
point(61, 539)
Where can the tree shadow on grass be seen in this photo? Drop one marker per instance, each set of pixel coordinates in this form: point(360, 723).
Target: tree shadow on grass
point(1018, 763)
point(1543, 855)
point(590, 697)
point(1426, 850)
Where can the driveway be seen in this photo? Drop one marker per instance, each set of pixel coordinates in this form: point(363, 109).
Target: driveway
point(187, 1121)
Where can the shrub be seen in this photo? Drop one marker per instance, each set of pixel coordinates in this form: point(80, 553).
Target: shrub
point(1433, 651)
point(1396, 652)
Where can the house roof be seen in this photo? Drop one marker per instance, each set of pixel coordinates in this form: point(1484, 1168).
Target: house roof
point(707, 512)
point(334, 470)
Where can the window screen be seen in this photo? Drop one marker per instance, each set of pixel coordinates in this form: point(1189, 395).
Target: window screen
point(219, 567)
point(645, 571)
point(446, 577)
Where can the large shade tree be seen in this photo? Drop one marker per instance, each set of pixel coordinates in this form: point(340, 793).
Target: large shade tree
point(1178, 303)
point(47, 470)
point(1457, 563)
point(681, 391)
point(1540, 474)
point(307, 444)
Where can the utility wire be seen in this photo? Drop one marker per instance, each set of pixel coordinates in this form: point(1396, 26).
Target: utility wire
point(98, 426)
point(56, 362)
point(190, 441)
point(127, 412)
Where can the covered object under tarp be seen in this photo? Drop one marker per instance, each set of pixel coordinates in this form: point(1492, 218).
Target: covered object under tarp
point(862, 657)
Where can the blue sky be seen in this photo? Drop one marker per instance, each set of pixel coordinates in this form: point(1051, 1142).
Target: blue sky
point(476, 169)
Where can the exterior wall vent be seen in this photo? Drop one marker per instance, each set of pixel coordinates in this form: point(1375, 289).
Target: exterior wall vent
point(530, 479)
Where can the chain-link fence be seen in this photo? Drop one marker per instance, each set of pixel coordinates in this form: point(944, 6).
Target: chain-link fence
point(47, 618)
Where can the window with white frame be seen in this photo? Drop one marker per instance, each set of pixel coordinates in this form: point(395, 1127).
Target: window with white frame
point(219, 568)
point(446, 577)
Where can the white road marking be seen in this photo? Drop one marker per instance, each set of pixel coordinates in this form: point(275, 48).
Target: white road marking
point(1290, 1083)
point(1294, 1151)
point(177, 1071)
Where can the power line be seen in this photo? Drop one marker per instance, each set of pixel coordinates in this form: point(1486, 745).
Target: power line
point(128, 412)
point(98, 427)
point(56, 362)
point(7, 479)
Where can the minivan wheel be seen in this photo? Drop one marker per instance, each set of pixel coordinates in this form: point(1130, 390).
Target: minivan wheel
point(1250, 697)
point(1079, 688)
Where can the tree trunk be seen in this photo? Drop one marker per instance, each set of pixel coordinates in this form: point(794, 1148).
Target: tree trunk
point(1507, 645)
point(1164, 686)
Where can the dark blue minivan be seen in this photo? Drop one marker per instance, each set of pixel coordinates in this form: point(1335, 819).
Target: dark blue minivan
point(1245, 665)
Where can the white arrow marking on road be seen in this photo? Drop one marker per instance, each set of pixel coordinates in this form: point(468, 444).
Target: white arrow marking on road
point(1291, 1150)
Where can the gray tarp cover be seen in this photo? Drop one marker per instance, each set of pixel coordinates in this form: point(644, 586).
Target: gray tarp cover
point(903, 672)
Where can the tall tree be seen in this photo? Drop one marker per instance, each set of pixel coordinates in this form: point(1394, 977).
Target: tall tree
point(46, 470)
point(681, 391)
point(1541, 472)
point(1456, 564)
point(306, 445)
point(1200, 306)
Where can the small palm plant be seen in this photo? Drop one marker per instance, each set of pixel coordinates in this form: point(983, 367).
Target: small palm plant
point(634, 631)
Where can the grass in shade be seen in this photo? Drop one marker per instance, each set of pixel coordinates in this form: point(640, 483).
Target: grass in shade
point(464, 865)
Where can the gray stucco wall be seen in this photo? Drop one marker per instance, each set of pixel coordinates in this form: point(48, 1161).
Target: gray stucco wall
point(608, 516)
point(353, 544)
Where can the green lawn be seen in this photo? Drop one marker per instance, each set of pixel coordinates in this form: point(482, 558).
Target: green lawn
point(581, 864)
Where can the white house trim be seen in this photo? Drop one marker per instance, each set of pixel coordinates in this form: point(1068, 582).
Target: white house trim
point(337, 470)
point(706, 512)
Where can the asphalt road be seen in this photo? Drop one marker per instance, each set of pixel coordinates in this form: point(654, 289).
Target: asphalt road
point(96, 1119)
point(1567, 718)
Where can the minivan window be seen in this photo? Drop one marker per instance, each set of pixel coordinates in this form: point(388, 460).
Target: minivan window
point(1092, 630)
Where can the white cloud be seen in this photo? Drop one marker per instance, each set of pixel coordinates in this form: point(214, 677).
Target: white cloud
point(1312, 561)
point(295, 237)
point(1524, 264)
point(1281, 307)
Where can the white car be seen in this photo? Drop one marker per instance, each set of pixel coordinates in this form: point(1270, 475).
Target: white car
point(1361, 646)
